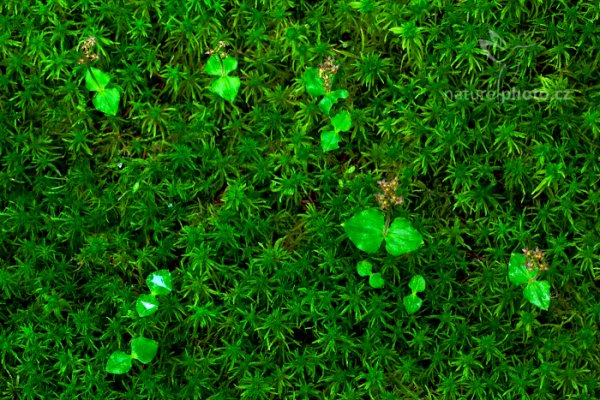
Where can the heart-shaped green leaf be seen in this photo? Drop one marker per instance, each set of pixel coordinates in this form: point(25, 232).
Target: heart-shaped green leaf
point(96, 80)
point(230, 64)
point(107, 101)
point(330, 140)
point(412, 303)
point(365, 229)
point(330, 99)
point(376, 280)
point(517, 271)
point(217, 67)
point(118, 363)
point(417, 284)
point(402, 238)
point(538, 293)
point(227, 87)
point(214, 67)
point(143, 349)
point(146, 305)
point(314, 84)
point(160, 282)
point(341, 121)
point(364, 268)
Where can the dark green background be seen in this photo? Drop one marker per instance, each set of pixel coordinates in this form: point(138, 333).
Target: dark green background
point(241, 204)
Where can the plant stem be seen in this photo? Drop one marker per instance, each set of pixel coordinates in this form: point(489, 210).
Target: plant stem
point(387, 222)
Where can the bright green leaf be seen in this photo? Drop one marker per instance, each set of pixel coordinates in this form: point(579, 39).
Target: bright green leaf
point(230, 64)
point(417, 284)
point(376, 280)
point(96, 80)
point(314, 84)
point(330, 140)
point(143, 349)
point(341, 121)
point(107, 101)
point(146, 305)
point(330, 99)
point(364, 268)
point(412, 303)
point(402, 238)
point(160, 282)
point(365, 229)
point(326, 103)
point(517, 271)
point(538, 293)
point(214, 67)
point(118, 363)
point(340, 94)
point(227, 87)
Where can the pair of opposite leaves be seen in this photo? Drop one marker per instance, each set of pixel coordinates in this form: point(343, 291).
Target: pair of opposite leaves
point(536, 291)
point(105, 100)
point(225, 86)
point(341, 122)
point(367, 231)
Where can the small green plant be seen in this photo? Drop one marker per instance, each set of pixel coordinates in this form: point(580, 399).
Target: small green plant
point(365, 268)
point(221, 65)
point(142, 349)
point(412, 41)
point(412, 302)
point(106, 99)
point(525, 269)
point(318, 83)
point(369, 228)
point(160, 283)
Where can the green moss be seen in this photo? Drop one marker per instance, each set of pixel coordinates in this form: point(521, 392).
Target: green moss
point(487, 114)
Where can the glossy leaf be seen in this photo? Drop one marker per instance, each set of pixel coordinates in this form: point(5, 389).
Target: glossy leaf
point(227, 87)
point(96, 80)
point(314, 85)
point(230, 64)
point(412, 303)
point(376, 280)
point(217, 67)
point(538, 293)
point(417, 284)
point(402, 238)
point(107, 101)
point(330, 141)
point(160, 282)
point(118, 363)
point(364, 268)
point(517, 271)
point(341, 121)
point(213, 66)
point(330, 99)
point(365, 230)
point(144, 350)
point(146, 305)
